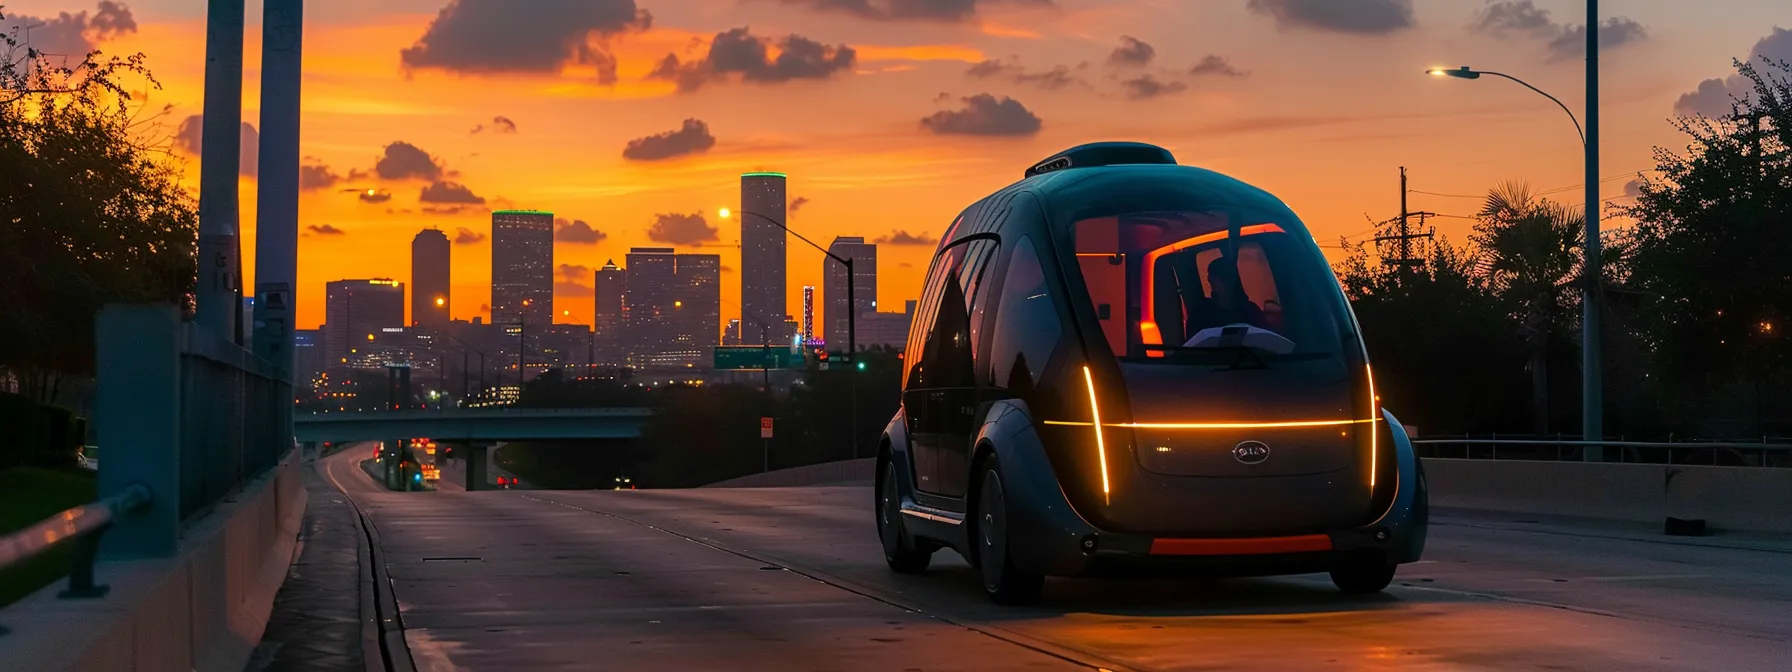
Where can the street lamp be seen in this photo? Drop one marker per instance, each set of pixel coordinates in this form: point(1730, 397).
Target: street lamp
point(1592, 386)
point(852, 317)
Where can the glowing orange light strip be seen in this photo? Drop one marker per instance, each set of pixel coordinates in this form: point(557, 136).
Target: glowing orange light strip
point(1224, 425)
point(1247, 546)
point(1372, 434)
point(1101, 448)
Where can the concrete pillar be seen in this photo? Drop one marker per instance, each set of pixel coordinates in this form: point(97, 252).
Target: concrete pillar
point(277, 182)
point(478, 458)
point(137, 355)
point(218, 304)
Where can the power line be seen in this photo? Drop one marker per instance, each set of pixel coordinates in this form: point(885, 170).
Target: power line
point(1433, 193)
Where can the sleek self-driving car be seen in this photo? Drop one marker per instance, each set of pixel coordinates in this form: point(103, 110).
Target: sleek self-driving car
point(1120, 365)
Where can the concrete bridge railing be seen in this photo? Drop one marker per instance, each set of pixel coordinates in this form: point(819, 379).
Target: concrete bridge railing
point(195, 429)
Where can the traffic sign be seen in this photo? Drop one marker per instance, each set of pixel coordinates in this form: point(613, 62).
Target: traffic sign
point(765, 428)
point(754, 357)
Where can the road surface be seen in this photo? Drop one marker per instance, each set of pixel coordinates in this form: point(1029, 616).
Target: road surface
point(793, 579)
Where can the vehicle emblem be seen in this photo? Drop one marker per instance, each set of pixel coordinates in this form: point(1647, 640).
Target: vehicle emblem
point(1250, 452)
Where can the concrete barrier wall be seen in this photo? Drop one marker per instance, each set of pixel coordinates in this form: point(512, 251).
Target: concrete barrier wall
point(204, 609)
point(827, 473)
point(1749, 499)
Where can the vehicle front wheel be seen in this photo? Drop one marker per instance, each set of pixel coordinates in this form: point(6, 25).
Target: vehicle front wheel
point(1002, 581)
point(899, 551)
point(1363, 575)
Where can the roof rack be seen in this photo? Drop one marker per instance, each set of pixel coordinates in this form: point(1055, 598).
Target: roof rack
point(1097, 154)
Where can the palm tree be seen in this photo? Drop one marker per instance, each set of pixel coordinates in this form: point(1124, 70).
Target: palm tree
point(1530, 254)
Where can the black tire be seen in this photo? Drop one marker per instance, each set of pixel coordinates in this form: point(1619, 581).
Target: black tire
point(1363, 575)
point(1002, 581)
point(899, 550)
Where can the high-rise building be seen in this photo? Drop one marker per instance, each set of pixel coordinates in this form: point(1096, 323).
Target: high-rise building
point(354, 310)
point(307, 358)
point(731, 333)
point(523, 267)
point(864, 280)
point(698, 306)
point(430, 299)
point(808, 314)
point(886, 329)
point(611, 285)
point(651, 279)
point(762, 299)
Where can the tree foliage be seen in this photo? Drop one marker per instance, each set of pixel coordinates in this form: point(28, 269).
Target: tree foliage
point(89, 214)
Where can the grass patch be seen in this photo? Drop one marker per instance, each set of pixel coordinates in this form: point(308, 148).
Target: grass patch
point(28, 495)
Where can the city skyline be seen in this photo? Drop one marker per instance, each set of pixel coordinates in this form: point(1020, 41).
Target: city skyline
point(394, 145)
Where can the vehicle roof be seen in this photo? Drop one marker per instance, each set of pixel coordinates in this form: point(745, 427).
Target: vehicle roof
point(1060, 188)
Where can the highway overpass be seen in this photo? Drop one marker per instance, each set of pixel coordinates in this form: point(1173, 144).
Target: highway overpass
point(472, 424)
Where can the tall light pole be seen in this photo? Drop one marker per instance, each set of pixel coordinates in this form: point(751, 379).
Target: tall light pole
point(1592, 391)
point(852, 318)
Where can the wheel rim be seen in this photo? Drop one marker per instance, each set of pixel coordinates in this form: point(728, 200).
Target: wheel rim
point(991, 530)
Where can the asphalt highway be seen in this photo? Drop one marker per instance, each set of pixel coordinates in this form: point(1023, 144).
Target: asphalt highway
point(792, 579)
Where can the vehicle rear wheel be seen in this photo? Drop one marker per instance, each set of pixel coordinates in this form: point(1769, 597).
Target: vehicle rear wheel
point(1363, 574)
point(1002, 581)
point(899, 551)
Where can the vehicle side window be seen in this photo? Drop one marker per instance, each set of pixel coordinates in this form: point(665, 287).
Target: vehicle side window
point(926, 314)
point(1028, 321)
point(978, 268)
point(951, 358)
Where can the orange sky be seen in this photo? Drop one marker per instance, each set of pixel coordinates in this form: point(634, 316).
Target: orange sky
point(1321, 115)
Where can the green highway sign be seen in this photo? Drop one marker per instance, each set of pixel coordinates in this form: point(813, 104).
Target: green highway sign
point(755, 357)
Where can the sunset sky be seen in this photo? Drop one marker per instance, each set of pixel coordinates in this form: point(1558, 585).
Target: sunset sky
point(890, 116)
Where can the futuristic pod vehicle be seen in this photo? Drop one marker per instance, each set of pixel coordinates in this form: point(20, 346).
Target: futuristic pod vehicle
point(1123, 366)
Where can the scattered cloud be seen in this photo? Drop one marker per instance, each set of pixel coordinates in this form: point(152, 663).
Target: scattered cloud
point(1714, 97)
point(449, 192)
point(572, 289)
point(466, 236)
point(403, 160)
point(984, 114)
point(1634, 188)
point(1215, 64)
point(954, 11)
point(680, 229)
point(1363, 17)
point(691, 138)
point(1505, 19)
point(575, 272)
point(484, 37)
point(1132, 52)
point(797, 204)
point(576, 231)
point(1613, 33)
point(904, 264)
point(500, 124)
point(901, 237)
point(72, 35)
point(450, 209)
point(190, 138)
point(325, 230)
point(1057, 77)
point(736, 52)
point(373, 195)
point(317, 176)
point(1146, 87)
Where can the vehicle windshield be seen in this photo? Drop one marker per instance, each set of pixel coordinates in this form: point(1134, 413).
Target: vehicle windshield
point(1199, 286)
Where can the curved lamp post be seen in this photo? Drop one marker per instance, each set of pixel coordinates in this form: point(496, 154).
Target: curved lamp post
point(1592, 387)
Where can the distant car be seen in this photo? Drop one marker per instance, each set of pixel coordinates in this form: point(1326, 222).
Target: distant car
point(1119, 365)
point(89, 457)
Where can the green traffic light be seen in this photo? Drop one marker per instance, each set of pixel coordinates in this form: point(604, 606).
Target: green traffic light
point(861, 366)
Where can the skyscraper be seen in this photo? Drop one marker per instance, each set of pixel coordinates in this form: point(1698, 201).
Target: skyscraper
point(611, 284)
point(651, 278)
point(355, 309)
point(430, 299)
point(308, 360)
point(523, 267)
point(762, 299)
point(808, 314)
point(698, 307)
point(864, 271)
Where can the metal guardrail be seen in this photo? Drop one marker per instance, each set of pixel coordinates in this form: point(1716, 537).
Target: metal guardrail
point(1721, 453)
point(83, 524)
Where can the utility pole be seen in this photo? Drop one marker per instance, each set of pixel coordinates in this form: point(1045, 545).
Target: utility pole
point(1403, 240)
